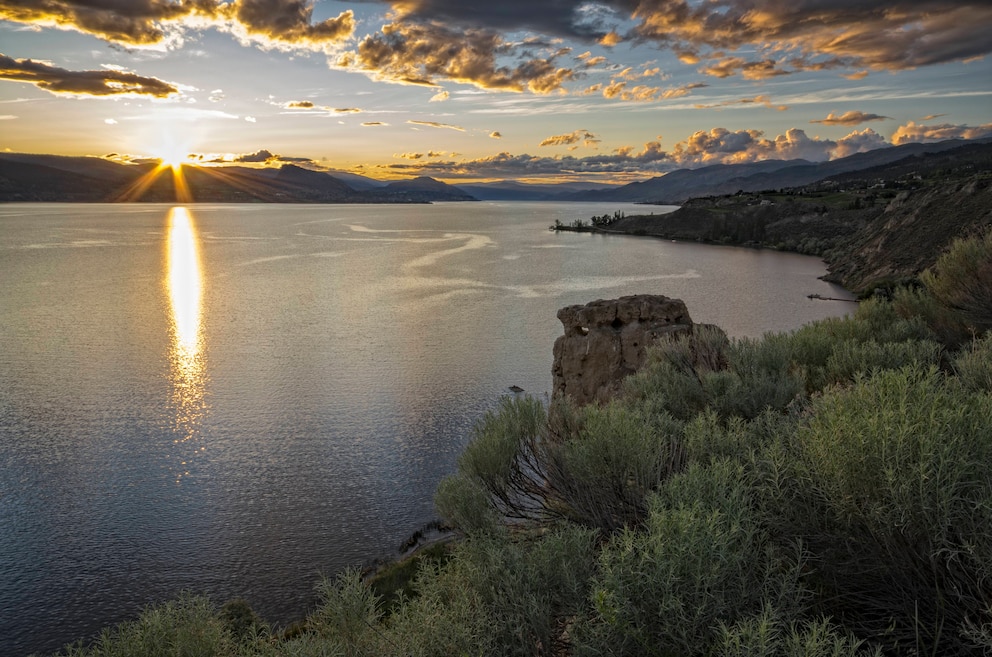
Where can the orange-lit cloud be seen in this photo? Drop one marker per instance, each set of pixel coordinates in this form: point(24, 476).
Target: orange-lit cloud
point(283, 24)
point(756, 100)
point(573, 137)
point(716, 146)
point(423, 54)
point(644, 93)
point(435, 124)
point(495, 135)
point(83, 83)
point(914, 132)
point(722, 146)
point(850, 118)
point(753, 70)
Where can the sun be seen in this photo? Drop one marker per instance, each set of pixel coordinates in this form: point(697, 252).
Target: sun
point(171, 148)
point(173, 156)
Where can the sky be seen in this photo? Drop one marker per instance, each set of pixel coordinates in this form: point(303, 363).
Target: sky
point(533, 90)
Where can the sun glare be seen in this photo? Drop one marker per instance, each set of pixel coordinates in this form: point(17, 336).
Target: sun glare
point(173, 157)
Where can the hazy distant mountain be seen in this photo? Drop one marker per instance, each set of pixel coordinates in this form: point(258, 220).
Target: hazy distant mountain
point(356, 181)
point(51, 178)
point(92, 167)
point(316, 184)
point(510, 190)
point(26, 177)
point(424, 188)
point(716, 180)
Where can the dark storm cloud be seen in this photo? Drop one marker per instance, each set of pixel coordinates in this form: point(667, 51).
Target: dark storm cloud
point(566, 18)
point(85, 83)
point(878, 34)
point(756, 39)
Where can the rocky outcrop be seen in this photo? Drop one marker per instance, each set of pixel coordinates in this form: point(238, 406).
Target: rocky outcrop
point(605, 341)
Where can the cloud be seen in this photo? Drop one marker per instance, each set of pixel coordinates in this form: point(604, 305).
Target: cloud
point(716, 146)
point(439, 97)
point(423, 54)
point(346, 110)
point(564, 18)
point(258, 156)
point(858, 142)
point(643, 93)
point(299, 104)
point(435, 124)
point(757, 39)
point(281, 24)
point(756, 100)
point(753, 70)
point(571, 138)
point(495, 135)
point(83, 83)
point(262, 156)
point(373, 124)
point(914, 132)
point(588, 60)
point(850, 118)
point(721, 146)
point(872, 34)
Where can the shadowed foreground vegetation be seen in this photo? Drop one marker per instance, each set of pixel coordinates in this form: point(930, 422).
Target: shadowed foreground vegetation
point(823, 492)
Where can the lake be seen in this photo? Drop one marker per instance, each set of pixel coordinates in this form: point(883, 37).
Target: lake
point(236, 399)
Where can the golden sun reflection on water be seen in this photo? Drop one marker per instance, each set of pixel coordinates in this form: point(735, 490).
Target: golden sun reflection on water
point(187, 371)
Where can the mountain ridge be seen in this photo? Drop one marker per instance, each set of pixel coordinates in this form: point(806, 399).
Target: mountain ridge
point(53, 178)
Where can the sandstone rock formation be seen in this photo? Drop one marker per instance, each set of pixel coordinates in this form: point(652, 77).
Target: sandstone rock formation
point(605, 341)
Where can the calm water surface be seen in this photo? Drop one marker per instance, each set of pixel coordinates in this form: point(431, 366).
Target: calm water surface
point(236, 399)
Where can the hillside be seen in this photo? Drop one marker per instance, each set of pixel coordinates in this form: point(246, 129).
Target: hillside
point(874, 227)
point(49, 178)
point(721, 179)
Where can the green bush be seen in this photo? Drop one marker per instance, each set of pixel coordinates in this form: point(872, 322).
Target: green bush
point(500, 597)
point(703, 558)
point(768, 636)
point(974, 365)
point(849, 359)
point(913, 302)
point(687, 374)
point(185, 627)
point(891, 489)
point(592, 466)
point(961, 281)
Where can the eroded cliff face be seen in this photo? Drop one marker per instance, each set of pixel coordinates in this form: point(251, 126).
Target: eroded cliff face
point(911, 234)
point(605, 341)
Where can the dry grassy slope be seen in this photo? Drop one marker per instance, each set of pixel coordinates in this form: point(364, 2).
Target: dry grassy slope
point(911, 233)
